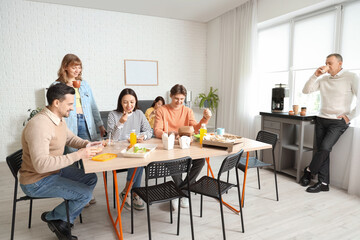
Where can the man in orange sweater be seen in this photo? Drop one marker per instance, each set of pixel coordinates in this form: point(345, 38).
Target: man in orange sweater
point(169, 118)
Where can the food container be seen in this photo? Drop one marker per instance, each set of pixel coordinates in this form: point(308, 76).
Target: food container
point(140, 153)
point(168, 141)
point(96, 146)
point(291, 112)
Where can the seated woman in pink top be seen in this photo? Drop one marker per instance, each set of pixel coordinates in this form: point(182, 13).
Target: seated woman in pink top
point(176, 115)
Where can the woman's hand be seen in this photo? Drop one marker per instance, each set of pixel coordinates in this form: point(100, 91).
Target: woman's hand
point(102, 131)
point(152, 114)
point(124, 117)
point(140, 139)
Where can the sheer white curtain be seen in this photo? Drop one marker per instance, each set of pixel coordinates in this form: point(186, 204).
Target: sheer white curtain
point(354, 161)
point(237, 52)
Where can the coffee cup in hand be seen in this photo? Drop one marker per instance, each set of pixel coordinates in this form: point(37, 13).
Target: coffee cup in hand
point(324, 69)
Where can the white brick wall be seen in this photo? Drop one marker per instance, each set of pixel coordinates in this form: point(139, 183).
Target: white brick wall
point(36, 36)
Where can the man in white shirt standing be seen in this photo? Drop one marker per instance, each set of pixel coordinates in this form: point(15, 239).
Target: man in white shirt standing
point(337, 90)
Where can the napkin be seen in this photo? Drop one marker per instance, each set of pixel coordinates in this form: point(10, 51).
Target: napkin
point(168, 141)
point(184, 142)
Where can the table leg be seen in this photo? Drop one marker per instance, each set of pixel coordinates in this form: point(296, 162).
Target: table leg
point(119, 208)
point(243, 190)
point(108, 208)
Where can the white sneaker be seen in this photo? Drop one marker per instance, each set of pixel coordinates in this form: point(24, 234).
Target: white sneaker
point(174, 204)
point(184, 202)
point(138, 203)
point(127, 204)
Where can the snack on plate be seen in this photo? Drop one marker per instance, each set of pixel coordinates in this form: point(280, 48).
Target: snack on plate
point(137, 150)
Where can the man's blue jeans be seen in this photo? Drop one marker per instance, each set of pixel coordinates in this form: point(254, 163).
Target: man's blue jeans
point(71, 184)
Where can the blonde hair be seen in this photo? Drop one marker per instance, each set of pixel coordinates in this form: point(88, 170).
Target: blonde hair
point(68, 60)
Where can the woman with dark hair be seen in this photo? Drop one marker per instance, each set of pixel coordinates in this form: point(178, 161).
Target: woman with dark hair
point(150, 112)
point(121, 122)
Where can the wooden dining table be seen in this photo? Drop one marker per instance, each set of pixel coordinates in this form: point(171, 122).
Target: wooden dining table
point(195, 151)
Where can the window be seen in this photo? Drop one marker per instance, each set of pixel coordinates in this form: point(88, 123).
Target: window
point(290, 52)
point(273, 60)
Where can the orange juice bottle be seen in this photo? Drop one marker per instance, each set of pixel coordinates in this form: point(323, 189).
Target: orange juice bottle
point(133, 137)
point(203, 131)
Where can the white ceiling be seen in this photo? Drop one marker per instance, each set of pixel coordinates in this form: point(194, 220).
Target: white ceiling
point(192, 10)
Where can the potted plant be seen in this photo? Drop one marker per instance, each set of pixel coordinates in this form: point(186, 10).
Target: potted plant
point(32, 114)
point(210, 100)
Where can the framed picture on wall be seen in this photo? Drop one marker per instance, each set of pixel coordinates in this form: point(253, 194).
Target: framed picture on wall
point(141, 72)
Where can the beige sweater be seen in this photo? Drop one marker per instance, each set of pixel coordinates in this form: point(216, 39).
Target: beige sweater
point(43, 141)
point(336, 93)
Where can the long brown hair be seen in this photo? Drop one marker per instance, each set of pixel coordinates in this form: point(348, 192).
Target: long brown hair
point(68, 60)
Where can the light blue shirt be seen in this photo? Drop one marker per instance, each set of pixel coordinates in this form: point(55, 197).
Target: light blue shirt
point(90, 110)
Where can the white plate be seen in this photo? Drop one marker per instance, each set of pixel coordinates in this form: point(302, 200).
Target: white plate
point(139, 155)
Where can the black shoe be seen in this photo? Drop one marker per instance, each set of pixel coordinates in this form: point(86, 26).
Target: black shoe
point(61, 229)
point(318, 187)
point(45, 220)
point(43, 217)
point(306, 178)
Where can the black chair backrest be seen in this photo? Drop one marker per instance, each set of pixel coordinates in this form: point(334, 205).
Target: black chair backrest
point(14, 162)
point(168, 168)
point(267, 137)
point(230, 162)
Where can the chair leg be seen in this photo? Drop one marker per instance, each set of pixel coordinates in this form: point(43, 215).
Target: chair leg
point(241, 213)
point(201, 205)
point(178, 223)
point(258, 175)
point(132, 214)
point(30, 213)
point(171, 217)
point(191, 218)
point(13, 213)
point(148, 217)
point(276, 186)
point(80, 216)
point(222, 217)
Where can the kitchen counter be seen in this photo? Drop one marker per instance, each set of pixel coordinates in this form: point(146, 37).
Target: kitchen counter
point(286, 115)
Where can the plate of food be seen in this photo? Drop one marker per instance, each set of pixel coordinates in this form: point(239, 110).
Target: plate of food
point(139, 150)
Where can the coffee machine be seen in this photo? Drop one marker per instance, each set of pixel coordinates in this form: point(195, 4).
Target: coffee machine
point(279, 93)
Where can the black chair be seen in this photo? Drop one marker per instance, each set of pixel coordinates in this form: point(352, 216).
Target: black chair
point(254, 162)
point(120, 171)
point(163, 192)
point(215, 188)
point(14, 162)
